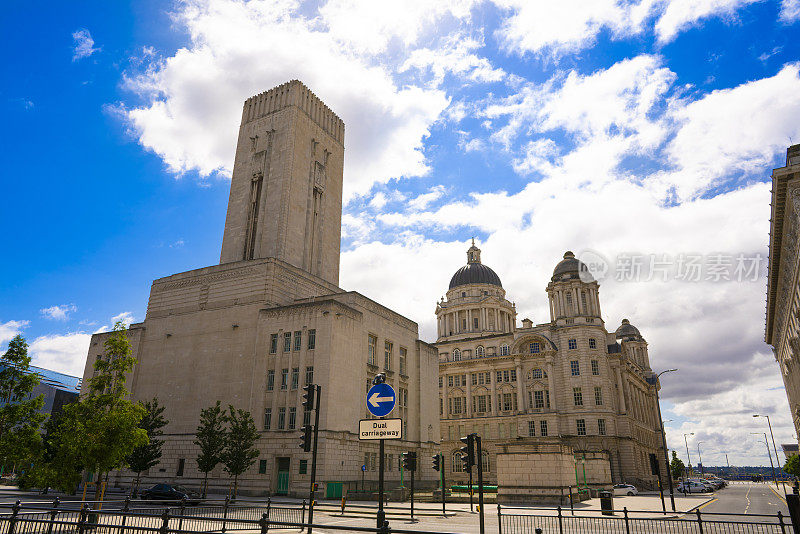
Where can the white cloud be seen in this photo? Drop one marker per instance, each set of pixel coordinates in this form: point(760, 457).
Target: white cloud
point(790, 11)
point(65, 353)
point(680, 15)
point(58, 313)
point(125, 317)
point(422, 201)
point(10, 329)
point(83, 45)
point(455, 56)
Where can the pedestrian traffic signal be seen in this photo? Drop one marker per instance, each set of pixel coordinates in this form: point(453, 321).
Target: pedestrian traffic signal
point(308, 396)
point(468, 451)
point(436, 465)
point(305, 437)
point(410, 461)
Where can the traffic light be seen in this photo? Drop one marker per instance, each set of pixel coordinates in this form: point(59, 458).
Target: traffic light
point(410, 461)
point(308, 396)
point(305, 437)
point(468, 451)
point(436, 465)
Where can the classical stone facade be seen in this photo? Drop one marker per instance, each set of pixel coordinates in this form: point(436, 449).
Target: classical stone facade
point(566, 382)
point(783, 286)
point(270, 318)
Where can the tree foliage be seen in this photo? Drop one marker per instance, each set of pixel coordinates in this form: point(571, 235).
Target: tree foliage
point(676, 466)
point(211, 439)
point(20, 420)
point(146, 456)
point(240, 452)
point(792, 465)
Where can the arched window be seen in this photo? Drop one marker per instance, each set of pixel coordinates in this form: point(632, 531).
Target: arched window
point(457, 465)
point(480, 352)
point(537, 373)
point(485, 455)
point(535, 347)
point(504, 349)
point(456, 355)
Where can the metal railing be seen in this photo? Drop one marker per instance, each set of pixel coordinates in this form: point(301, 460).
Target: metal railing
point(535, 521)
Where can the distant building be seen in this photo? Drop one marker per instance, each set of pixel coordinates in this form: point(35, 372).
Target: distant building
point(789, 449)
point(57, 388)
point(783, 284)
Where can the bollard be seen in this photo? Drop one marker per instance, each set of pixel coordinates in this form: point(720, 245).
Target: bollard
point(560, 521)
point(344, 500)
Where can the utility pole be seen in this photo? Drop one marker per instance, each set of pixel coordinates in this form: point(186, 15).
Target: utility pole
point(777, 461)
point(664, 444)
point(689, 466)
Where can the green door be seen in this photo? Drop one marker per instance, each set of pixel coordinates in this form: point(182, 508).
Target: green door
point(283, 477)
point(333, 490)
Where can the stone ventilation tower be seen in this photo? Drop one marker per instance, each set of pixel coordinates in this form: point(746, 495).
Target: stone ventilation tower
point(633, 344)
point(573, 293)
point(286, 190)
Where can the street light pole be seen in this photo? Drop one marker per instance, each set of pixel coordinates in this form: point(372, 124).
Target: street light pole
point(700, 456)
point(771, 435)
point(766, 444)
point(687, 450)
point(664, 442)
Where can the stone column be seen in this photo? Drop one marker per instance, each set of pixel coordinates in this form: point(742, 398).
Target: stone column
point(494, 392)
point(520, 381)
point(622, 407)
point(469, 395)
point(550, 384)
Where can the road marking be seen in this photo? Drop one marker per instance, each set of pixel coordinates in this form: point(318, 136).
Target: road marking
point(778, 494)
point(706, 504)
point(747, 497)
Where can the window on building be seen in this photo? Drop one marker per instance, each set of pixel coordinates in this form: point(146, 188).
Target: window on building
point(480, 352)
point(581, 425)
point(450, 381)
point(267, 418)
point(503, 350)
point(601, 427)
point(287, 341)
point(270, 380)
point(456, 405)
point(456, 464)
point(457, 380)
point(531, 428)
point(480, 377)
point(440, 381)
point(513, 375)
point(569, 303)
point(577, 396)
point(488, 375)
point(535, 348)
point(481, 403)
point(463, 294)
point(312, 339)
point(583, 302)
point(499, 376)
point(547, 398)
point(485, 458)
point(262, 467)
point(284, 378)
point(474, 323)
point(387, 356)
point(575, 367)
point(507, 402)
point(298, 340)
point(441, 406)
point(474, 378)
point(595, 367)
point(403, 355)
point(543, 428)
point(464, 324)
point(538, 399)
point(592, 343)
point(303, 467)
point(281, 418)
point(273, 343)
point(598, 396)
point(572, 344)
point(456, 355)
point(310, 375)
point(537, 374)
point(295, 377)
point(292, 418)
point(181, 467)
point(372, 343)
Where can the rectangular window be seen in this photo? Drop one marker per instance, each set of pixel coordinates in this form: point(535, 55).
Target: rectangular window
point(501, 431)
point(474, 323)
point(284, 378)
point(538, 400)
point(450, 381)
point(505, 376)
point(281, 418)
point(573, 344)
point(295, 377)
point(531, 428)
point(575, 367)
point(488, 377)
point(581, 424)
point(403, 355)
point(577, 396)
point(441, 406)
point(287, 341)
point(535, 348)
point(463, 325)
point(262, 467)
point(499, 376)
point(270, 380)
point(592, 343)
point(457, 405)
point(267, 418)
point(481, 378)
point(303, 467)
point(310, 375)
point(543, 428)
point(292, 418)
point(507, 402)
point(273, 343)
point(387, 356)
point(513, 375)
point(595, 367)
point(372, 345)
point(181, 466)
point(312, 339)
point(547, 398)
point(298, 340)
point(481, 403)
point(598, 396)
point(601, 427)
point(474, 379)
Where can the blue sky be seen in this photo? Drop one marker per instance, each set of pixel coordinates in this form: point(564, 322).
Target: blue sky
point(616, 128)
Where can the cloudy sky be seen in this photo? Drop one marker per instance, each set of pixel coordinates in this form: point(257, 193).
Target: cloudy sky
point(640, 135)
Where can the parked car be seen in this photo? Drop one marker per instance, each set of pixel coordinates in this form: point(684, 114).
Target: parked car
point(168, 492)
point(717, 483)
point(625, 489)
point(694, 486)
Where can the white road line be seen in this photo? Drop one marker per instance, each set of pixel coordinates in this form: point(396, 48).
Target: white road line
point(747, 496)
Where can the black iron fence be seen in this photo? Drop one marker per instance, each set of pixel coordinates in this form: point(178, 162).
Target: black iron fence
point(519, 520)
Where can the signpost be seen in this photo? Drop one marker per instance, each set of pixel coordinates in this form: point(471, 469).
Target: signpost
point(363, 470)
point(380, 402)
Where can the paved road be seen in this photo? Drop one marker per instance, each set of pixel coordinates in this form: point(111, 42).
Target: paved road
point(750, 500)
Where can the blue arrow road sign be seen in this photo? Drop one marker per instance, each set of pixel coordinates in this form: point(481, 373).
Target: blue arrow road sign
point(380, 399)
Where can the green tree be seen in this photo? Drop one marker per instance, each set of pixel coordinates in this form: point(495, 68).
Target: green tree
point(676, 466)
point(146, 456)
point(211, 439)
point(20, 420)
point(239, 453)
point(792, 466)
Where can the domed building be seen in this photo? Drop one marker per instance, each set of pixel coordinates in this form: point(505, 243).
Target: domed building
point(564, 384)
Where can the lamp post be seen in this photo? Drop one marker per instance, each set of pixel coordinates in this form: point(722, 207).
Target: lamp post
point(773, 443)
point(766, 444)
point(664, 442)
point(688, 467)
point(700, 456)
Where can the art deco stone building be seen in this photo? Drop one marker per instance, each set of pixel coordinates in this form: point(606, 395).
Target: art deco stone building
point(566, 382)
point(270, 318)
point(783, 280)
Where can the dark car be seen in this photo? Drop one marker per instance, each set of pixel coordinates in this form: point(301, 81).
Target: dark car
point(168, 492)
